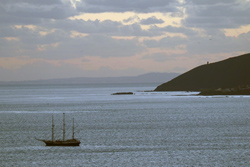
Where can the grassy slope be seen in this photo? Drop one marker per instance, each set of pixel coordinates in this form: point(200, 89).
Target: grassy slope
point(228, 73)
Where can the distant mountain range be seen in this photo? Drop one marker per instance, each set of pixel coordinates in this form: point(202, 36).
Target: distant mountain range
point(230, 73)
point(145, 78)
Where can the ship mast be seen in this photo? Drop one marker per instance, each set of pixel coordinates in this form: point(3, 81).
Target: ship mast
point(63, 126)
point(52, 129)
point(73, 130)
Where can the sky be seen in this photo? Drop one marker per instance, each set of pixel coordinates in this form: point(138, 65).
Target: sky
point(45, 39)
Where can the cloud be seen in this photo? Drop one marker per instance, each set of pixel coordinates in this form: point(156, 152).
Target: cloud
point(95, 45)
point(6, 31)
point(132, 19)
point(171, 29)
point(88, 27)
point(212, 2)
point(166, 42)
point(218, 44)
point(151, 20)
point(36, 2)
point(217, 14)
point(60, 45)
point(107, 27)
point(141, 6)
point(158, 57)
point(212, 42)
point(33, 12)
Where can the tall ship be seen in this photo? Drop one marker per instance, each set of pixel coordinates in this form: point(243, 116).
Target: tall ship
point(63, 142)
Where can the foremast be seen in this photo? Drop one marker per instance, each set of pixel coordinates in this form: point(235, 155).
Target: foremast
point(73, 130)
point(52, 129)
point(63, 126)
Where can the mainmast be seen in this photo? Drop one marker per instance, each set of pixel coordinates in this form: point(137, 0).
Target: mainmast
point(63, 126)
point(73, 130)
point(52, 129)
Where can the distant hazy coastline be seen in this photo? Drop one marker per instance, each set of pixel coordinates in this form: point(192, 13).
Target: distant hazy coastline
point(145, 78)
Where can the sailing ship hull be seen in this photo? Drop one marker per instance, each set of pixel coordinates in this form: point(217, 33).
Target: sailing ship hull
point(62, 143)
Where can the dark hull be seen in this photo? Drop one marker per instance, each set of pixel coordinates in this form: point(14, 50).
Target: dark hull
point(62, 143)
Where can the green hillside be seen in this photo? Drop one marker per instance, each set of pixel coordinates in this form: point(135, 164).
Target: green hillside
point(229, 73)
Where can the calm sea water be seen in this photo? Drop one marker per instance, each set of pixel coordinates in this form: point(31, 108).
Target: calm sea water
point(145, 129)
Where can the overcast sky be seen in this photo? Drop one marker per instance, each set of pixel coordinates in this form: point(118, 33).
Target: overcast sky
point(43, 39)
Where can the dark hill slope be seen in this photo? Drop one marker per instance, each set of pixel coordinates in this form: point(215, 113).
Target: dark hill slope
point(228, 73)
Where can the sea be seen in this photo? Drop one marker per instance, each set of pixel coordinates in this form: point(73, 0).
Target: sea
point(148, 129)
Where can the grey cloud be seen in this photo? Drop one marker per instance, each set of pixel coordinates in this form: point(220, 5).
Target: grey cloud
point(7, 31)
point(221, 14)
point(15, 20)
point(208, 22)
point(97, 45)
point(9, 48)
point(136, 30)
point(218, 43)
point(33, 12)
point(133, 18)
point(94, 6)
point(91, 45)
point(38, 2)
point(171, 29)
point(158, 57)
point(28, 42)
point(32, 37)
point(106, 27)
point(211, 2)
point(151, 20)
point(167, 42)
point(215, 42)
point(88, 27)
